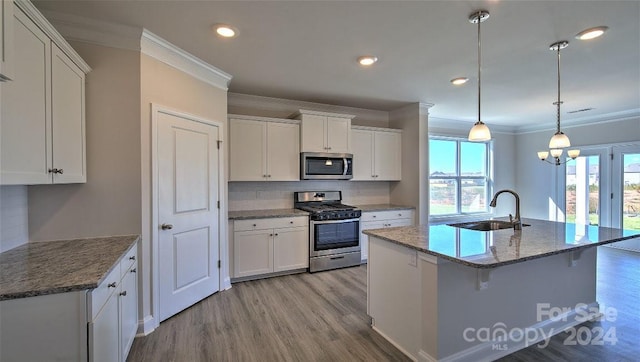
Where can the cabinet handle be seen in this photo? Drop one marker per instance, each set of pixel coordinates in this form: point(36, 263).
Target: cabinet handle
point(290, 222)
point(268, 175)
point(111, 285)
point(265, 176)
point(399, 214)
point(124, 294)
point(254, 225)
point(60, 171)
point(270, 234)
point(276, 234)
point(133, 270)
point(132, 257)
point(374, 216)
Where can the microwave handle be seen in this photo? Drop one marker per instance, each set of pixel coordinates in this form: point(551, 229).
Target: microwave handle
point(346, 166)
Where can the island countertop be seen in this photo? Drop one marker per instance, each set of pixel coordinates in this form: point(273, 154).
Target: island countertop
point(50, 267)
point(490, 249)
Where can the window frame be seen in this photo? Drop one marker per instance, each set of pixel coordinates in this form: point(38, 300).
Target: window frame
point(487, 178)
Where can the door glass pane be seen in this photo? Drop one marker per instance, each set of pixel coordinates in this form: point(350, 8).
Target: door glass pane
point(474, 193)
point(442, 196)
point(442, 157)
point(631, 194)
point(583, 190)
point(473, 159)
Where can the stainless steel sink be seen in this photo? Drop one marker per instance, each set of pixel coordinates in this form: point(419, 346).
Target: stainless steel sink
point(485, 225)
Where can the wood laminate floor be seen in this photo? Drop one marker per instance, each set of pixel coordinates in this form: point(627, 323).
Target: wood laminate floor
point(322, 317)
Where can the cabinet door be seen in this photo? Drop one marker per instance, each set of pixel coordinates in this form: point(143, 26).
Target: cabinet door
point(387, 156)
point(252, 253)
point(67, 117)
point(313, 134)
point(26, 108)
point(290, 249)
point(128, 310)
point(362, 147)
point(283, 152)
point(6, 40)
point(338, 135)
point(247, 150)
point(103, 333)
point(364, 239)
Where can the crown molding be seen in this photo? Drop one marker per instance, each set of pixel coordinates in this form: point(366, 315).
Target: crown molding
point(81, 29)
point(376, 129)
point(626, 115)
point(160, 49)
point(245, 117)
point(457, 125)
point(288, 106)
point(45, 25)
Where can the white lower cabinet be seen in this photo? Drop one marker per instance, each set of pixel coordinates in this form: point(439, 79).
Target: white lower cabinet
point(379, 220)
point(85, 325)
point(264, 246)
point(113, 309)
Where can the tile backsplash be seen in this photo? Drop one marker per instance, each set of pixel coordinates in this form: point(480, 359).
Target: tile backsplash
point(279, 195)
point(14, 217)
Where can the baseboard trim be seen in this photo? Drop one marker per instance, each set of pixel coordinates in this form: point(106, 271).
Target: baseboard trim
point(146, 326)
point(226, 284)
point(400, 348)
point(263, 276)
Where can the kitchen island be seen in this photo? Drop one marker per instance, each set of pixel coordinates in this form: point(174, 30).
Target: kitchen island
point(447, 293)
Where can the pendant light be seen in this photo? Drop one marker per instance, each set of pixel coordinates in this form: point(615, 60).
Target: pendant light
point(479, 131)
point(559, 141)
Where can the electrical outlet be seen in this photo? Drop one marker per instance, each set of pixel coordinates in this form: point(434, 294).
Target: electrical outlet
point(413, 259)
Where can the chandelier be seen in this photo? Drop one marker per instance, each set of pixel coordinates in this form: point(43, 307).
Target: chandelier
point(559, 141)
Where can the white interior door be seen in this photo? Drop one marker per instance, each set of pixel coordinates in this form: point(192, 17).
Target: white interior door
point(188, 222)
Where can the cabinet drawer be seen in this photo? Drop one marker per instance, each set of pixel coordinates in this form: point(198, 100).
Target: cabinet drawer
point(386, 215)
point(271, 223)
point(100, 295)
point(128, 260)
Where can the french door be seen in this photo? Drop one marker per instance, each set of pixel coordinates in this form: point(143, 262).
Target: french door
point(626, 193)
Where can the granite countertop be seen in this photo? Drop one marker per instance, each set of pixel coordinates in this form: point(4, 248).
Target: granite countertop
point(490, 249)
point(39, 268)
point(383, 207)
point(264, 214)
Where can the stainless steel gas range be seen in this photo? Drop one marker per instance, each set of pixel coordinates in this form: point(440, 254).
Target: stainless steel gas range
point(334, 230)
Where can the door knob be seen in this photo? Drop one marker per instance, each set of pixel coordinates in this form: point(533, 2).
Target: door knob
point(166, 226)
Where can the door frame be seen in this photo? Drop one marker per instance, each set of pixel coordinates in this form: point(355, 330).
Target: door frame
point(224, 282)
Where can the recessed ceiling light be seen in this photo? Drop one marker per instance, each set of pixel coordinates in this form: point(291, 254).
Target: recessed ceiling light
point(459, 81)
point(591, 33)
point(367, 60)
point(225, 31)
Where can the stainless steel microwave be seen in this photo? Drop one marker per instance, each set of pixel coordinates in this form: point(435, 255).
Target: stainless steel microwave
point(326, 166)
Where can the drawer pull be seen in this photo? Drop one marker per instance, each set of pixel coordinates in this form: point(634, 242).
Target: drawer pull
point(254, 225)
point(374, 216)
point(124, 294)
point(336, 257)
point(290, 222)
point(111, 285)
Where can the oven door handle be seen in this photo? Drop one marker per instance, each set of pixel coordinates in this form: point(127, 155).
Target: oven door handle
point(342, 221)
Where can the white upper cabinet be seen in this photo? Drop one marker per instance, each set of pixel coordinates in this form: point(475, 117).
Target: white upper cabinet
point(324, 132)
point(263, 149)
point(43, 111)
point(377, 154)
point(6, 40)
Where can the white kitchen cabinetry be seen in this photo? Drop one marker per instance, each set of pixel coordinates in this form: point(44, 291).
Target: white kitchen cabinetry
point(263, 149)
point(377, 154)
point(271, 245)
point(113, 312)
point(6, 40)
point(379, 220)
point(324, 132)
point(85, 325)
point(43, 121)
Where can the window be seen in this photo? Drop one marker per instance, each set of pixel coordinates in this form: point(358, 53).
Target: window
point(459, 179)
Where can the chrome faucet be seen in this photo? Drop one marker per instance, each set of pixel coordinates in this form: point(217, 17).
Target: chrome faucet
point(517, 223)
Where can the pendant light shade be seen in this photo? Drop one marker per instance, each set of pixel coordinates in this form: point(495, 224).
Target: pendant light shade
point(559, 140)
point(479, 131)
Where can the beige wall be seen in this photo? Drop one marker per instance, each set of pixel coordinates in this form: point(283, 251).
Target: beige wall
point(413, 190)
point(171, 88)
point(109, 202)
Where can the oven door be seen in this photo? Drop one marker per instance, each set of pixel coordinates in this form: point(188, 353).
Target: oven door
point(334, 237)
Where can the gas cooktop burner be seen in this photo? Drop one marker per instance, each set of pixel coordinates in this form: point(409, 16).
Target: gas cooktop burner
point(325, 205)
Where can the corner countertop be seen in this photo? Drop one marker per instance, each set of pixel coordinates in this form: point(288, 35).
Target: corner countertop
point(383, 207)
point(264, 214)
point(50, 267)
point(490, 249)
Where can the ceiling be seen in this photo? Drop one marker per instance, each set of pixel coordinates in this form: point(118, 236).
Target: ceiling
point(307, 50)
